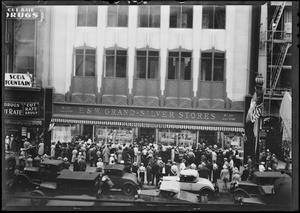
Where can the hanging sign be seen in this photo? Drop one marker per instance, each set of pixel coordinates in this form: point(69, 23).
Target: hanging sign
point(24, 13)
point(18, 80)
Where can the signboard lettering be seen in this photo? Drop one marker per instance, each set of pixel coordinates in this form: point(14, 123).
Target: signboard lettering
point(21, 108)
point(18, 80)
point(23, 13)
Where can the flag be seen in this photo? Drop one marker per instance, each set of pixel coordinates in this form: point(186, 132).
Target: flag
point(51, 125)
point(254, 110)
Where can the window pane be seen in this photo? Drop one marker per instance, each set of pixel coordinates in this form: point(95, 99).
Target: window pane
point(206, 55)
point(206, 69)
point(141, 53)
point(175, 17)
point(24, 30)
point(186, 54)
point(153, 67)
point(121, 52)
point(109, 66)
point(121, 66)
point(176, 54)
point(143, 16)
point(173, 68)
point(220, 17)
point(90, 65)
point(154, 16)
point(79, 65)
point(93, 52)
point(187, 17)
point(141, 67)
point(81, 16)
point(207, 19)
point(219, 55)
point(123, 16)
point(79, 51)
point(218, 69)
point(112, 16)
point(186, 68)
point(25, 64)
point(92, 13)
point(110, 52)
point(153, 53)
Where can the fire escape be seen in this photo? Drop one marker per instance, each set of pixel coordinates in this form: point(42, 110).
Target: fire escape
point(279, 43)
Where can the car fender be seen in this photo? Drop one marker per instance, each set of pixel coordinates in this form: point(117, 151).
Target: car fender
point(27, 178)
point(206, 187)
point(243, 191)
point(132, 184)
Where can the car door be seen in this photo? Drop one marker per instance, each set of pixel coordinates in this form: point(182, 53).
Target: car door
point(186, 184)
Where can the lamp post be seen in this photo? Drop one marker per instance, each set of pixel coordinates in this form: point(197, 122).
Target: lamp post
point(259, 81)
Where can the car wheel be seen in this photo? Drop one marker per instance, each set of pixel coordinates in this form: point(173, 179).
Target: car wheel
point(37, 202)
point(129, 189)
point(207, 192)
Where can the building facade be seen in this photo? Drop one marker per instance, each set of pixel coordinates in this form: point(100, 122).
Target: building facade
point(176, 75)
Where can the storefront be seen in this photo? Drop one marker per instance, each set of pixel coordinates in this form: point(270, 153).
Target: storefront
point(126, 125)
point(23, 111)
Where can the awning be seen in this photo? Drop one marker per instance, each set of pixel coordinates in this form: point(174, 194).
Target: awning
point(24, 122)
point(147, 125)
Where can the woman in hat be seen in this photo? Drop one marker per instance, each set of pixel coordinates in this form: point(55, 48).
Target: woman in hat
point(225, 177)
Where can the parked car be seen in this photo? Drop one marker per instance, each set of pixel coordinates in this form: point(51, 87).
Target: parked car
point(32, 177)
point(68, 183)
point(280, 193)
point(168, 192)
point(127, 182)
point(252, 188)
point(189, 180)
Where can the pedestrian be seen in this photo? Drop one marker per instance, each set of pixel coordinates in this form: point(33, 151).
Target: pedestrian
point(203, 171)
point(245, 173)
point(112, 159)
point(52, 151)
point(210, 167)
point(106, 154)
point(182, 165)
point(41, 148)
point(100, 166)
point(174, 169)
point(141, 173)
point(155, 173)
point(22, 163)
point(168, 168)
point(249, 162)
point(119, 153)
point(230, 168)
point(7, 143)
point(236, 175)
point(82, 164)
point(262, 167)
point(66, 163)
point(225, 177)
point(149, 173)
point(134, 169)
point(76, 165)
point(215, 172)
point(29, 161)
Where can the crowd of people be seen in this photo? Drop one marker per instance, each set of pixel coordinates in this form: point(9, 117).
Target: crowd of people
point(149, 161)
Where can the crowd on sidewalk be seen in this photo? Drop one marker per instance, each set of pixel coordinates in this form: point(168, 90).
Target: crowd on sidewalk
point(149, 161)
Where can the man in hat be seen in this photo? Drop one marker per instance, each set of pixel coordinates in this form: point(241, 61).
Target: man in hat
point(245, 173)
point(225, 177)
point(66, 163)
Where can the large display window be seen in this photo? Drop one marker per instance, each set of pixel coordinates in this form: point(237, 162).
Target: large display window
point(109, 135)
point(176, 137)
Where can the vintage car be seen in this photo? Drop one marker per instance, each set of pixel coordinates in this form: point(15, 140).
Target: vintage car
point(168, 192)
point(189, 180)
point(127, 182)
point(280, 193)
point(32, 177)
point(252, 188)
point(68, 183)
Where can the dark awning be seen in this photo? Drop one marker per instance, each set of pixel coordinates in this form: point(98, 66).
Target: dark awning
point(23, 122)
point(210, 126)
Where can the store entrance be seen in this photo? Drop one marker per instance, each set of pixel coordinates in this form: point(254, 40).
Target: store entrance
point(87, 131)
point(147, 135)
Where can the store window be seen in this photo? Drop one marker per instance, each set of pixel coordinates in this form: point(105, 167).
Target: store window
point(181, 17)
point(85, 62)
point(214, 17)
point(181, 138)
point(22, 40)
point(117, 16)
point(115, 63)
point(113, 135)
point(180, 65)
point(147, 64)
point(87, 16)
point(212, 66)
point(149, 16)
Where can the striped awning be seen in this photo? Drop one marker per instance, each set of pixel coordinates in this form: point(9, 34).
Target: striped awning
point(24, 122)
point(147, 125)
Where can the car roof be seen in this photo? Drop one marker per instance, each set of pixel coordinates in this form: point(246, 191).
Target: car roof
point(268, 174)
point(78, 175)
point(189, 172)
point(52, 162)
point(115, 166)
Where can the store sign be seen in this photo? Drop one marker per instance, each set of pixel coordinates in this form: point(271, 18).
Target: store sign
point(21, 108)
point(18, 80)
point(150, 113)
point(24, 13)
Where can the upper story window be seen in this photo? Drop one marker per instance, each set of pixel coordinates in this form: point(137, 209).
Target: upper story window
point(214, 17)
point(179, 66)
point(87, 16)
point(24, 47)
point(85, 62)
point(115, 63)
point(149, 16)
point(181, 16)
point(147, 64)
point(212, 66)
point(117, 16)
